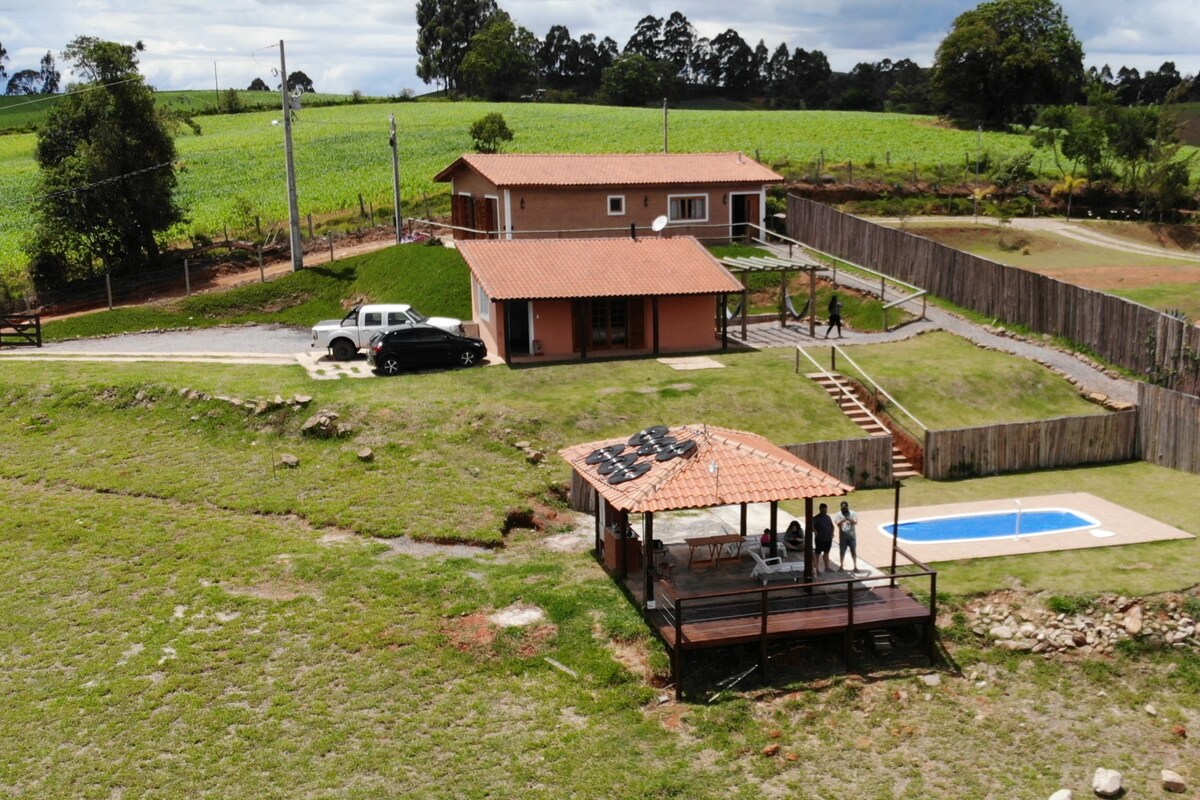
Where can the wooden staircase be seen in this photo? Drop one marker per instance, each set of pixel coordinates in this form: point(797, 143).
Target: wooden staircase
point(861, 416)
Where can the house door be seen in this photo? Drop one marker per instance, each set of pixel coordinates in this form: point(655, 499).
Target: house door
point(743, 210)
point(516, 326)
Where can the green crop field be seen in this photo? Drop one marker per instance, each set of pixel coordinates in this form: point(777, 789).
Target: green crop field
point(234, 171)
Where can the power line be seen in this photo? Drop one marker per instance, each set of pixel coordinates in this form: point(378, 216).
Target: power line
point(47, 97)
point(74, 189)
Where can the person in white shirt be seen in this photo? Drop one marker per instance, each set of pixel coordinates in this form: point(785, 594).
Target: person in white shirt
point(847, 525)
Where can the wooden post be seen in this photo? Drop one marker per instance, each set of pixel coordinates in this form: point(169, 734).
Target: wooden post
point(371, 208)
point(677, 652)
point(783, 298)
point(812, 302)
point(108, 286)
point(648, 558)
point(808, 540)
point(774, 551)
point(743, 520)
point(745, 305)
point(362, 208)
point(654, 320)
point(187, 279)
point(258, 224)
point(329, 238)
point(310, 227)
point(262, 274)
point(765, 610)
point(895, 533)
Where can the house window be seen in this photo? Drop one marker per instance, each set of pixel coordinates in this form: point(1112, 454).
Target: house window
point(485, 303)
point(689, 208)
point(616, 205)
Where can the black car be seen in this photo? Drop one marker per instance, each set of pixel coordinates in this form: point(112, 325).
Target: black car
point(419, 346)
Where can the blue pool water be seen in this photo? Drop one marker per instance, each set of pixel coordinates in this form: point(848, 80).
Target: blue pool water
point(991, 525)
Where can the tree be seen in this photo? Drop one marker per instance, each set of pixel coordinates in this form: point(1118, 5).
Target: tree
point(678, 41)
point(500, 62)
point(444, 31)
point(299, 81)
point(48, 76)
point(258, 85)
point(558, 58)
point(647, 39)
point(23, 82)
point(1003, 58)
point(489, 132)
point(3, 58)
point(107, 164)
point(632, 80)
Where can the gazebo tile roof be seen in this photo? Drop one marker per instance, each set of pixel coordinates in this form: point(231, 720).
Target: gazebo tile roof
point(727, 467)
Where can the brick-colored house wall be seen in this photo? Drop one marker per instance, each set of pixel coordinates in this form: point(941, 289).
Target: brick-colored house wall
point(583, 212)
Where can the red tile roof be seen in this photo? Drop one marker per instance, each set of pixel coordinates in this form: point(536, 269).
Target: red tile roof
point(533, 269)
point(749, 469)
point(630, 169)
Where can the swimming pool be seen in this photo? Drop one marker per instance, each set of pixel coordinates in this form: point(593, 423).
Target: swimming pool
point(991, 525)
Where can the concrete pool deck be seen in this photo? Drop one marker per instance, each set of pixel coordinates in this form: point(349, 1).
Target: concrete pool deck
point(1118, 525)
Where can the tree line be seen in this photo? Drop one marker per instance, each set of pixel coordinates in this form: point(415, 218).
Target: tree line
point(43, 80)
point(1000, 62)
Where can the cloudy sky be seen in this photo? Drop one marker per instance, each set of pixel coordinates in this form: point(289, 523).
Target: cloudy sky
point(371, 46)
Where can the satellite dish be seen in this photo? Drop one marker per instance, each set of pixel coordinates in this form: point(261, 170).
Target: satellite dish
point(659, 223)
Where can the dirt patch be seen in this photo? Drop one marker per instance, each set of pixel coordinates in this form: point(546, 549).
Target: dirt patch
point(518, 615)
point(1105, 278)
point(275, 590)
point(470, 633)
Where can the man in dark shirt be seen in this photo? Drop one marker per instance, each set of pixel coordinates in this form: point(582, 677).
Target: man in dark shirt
point(823, 530)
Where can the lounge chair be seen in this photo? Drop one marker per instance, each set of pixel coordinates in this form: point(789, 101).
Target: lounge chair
point(767, 568)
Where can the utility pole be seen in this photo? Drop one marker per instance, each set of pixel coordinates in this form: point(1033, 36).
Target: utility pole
point(666, 149)
point(396, 177)
point(293, 204)
point(217, 87)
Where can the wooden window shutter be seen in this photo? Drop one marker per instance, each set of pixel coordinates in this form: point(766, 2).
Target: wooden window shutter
point(637, 323)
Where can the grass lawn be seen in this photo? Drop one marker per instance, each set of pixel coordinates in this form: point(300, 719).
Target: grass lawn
point(948, 382)
point(185, 619)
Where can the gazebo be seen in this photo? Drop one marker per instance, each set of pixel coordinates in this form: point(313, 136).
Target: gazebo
point(699, 466)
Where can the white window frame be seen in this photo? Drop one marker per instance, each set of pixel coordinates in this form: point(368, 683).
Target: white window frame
point(612, 197)
point(485, 302)
point(687, 220)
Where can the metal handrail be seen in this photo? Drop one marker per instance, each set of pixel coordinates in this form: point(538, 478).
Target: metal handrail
point(842, 388)
point(879, 388)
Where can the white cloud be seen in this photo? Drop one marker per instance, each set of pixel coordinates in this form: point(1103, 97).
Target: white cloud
point(372, 45)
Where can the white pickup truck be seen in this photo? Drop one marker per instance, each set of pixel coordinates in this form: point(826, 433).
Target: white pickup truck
point(345, 337)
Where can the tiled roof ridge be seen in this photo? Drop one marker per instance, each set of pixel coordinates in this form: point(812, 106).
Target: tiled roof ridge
point(736, 444)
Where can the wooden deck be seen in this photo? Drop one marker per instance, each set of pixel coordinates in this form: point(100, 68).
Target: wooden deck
point(723, 606)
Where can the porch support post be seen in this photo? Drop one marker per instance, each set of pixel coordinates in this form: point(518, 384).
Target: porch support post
point(585, 324)
point(743, 520)
point(808, 540)
point(596, 511)
point(812, 302)
point(762, 636)
point(648, 557)
point(783, 298)
point(745, 303)
point(622, 550)
point(654, 318)
point(774, 528)
point(723, 319)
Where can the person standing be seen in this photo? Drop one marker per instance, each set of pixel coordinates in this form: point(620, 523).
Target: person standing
point(835, 316)
point(847, 525)
point(823, 540)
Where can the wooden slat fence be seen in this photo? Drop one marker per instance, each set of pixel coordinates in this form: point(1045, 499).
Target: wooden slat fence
point(20, 330)
point(1169, 428)
point(1156, 346)
point(863, 463)
point(1023, 446)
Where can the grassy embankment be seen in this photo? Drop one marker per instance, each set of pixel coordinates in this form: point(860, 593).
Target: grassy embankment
point(183, 618)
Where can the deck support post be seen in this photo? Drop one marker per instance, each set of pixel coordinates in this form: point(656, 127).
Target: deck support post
point(677, 653)
point(762, 637)
point(743, 520)
point(596, 510)
point(648, 557)
point(808, 542)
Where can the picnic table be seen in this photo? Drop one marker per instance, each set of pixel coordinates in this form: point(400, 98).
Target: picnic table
point(716, 546)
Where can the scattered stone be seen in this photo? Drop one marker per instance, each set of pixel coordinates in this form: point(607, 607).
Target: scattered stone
point(1151, 710)
point(1106, 782)
point(366, 454)
point(1133, 621)
point(261, 407)
point(534, 456)
point(1063, 794)
point(771, 750)
point(932, 680)
point(140, 396)
point(522, 445)
point(323, 425)
point(1097, 397)
point(302, 399)
point(1179, 731)
point(288, 460)
point(1173, 781)
point(1001, 632)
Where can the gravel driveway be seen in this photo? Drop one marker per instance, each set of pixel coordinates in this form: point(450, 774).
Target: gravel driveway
point(240, 339)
